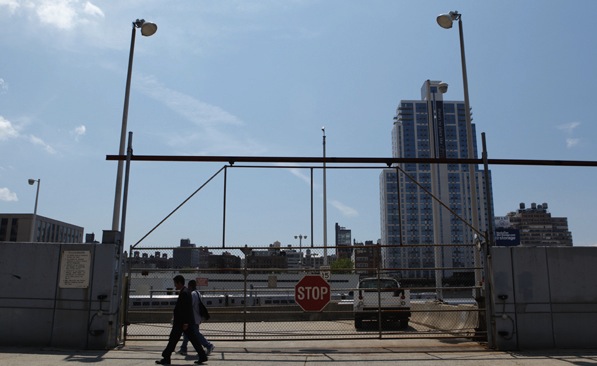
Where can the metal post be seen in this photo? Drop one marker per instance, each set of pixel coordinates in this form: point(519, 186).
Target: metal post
point(311, 207)
point(125, 112)
point(489, 320)
point(32, 237)
point(129, 154)
point(224, 208)
point(435, 208)
point(488, 193)
point(471, 155)
point(325, 204)
point(120, 278)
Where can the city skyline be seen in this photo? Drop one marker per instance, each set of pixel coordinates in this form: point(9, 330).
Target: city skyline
point(262, 78)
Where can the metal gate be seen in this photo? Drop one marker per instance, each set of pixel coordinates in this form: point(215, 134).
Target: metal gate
point(250, 291)
point(250, 294)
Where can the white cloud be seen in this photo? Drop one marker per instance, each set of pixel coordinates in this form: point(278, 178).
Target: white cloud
point(213, 135)
point(300, 173)
point(571, 142)
point(7, 195)
point(37, 141)
point(194, 110)
point(568, 129)
point(58, 13)
point(344, 209)
point(7, 130)
point(3, 84)
point(78, 132)
point(61, 14)
point(93, 10)
point(12, 5)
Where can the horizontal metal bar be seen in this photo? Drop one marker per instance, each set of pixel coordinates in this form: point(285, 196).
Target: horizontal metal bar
point(388, 161)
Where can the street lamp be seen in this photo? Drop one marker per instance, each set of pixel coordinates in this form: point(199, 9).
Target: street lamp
point(300, 237)
point(33, 222)
point(445, 21)
point(433, 121)
point(147, 29)
point(325, 207)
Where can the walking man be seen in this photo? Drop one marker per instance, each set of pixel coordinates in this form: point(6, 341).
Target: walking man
point(198, 319)
point(182, 323)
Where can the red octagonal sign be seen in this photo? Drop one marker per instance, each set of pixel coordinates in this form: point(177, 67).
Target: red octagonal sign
point(312, 293)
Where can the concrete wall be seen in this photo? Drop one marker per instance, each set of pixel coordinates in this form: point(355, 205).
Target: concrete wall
point(37, 309)
point(544, 297)
point(541, 297)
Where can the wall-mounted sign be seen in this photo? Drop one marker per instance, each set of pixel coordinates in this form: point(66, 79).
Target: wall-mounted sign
point(507, 237)
point(75, 267)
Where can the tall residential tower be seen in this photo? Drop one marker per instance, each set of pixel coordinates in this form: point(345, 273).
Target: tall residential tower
point(409, 222)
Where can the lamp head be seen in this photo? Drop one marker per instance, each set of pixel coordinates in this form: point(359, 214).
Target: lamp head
point(443, 87)
point(445, 20)
point(147, 28)
point(31, 181)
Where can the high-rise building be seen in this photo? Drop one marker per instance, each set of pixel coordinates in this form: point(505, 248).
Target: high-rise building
point(407, 213)
point(343, 242)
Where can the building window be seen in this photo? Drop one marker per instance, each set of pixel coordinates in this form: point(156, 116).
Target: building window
point(14, 228)
point(3, 227)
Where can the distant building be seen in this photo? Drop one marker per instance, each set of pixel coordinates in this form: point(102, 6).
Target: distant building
point(186, 256)
point(366, 258)
point(148, 261)
point(293, 257)
point(314, 260)
point(17, 228)
point(343, 242)
point(90, 239)
point(224, 261)
point(536, 226)
point(267, 259)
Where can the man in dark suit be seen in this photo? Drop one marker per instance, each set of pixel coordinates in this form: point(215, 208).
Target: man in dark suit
point(182, 323)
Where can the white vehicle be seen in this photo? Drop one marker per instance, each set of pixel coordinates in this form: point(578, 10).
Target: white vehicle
point(381, 299)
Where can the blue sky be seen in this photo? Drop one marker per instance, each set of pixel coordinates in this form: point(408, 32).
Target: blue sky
point(262, 78)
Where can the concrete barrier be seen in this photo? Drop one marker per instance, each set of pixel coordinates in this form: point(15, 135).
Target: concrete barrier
point(333, 311)
point(445, 317)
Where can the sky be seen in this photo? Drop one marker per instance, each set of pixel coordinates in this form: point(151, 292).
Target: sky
point(261, 78)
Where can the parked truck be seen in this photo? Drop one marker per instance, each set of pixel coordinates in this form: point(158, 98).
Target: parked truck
point(381, 299)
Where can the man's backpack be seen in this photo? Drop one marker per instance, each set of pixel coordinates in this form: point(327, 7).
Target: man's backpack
point(202, 309)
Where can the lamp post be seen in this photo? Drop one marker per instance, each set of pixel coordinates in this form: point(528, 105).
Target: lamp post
point(34, 221)
point(300, 237)
point(434, 126)
point(325, 207)
point(147, 29)
point(445, 21)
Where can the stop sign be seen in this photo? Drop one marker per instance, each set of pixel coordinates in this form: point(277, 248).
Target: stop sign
point(312, 293)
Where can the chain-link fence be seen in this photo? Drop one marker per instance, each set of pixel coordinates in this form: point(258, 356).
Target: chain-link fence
point(264, 294)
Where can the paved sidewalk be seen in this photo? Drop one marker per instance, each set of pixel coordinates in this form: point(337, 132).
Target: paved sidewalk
point(306, 353)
